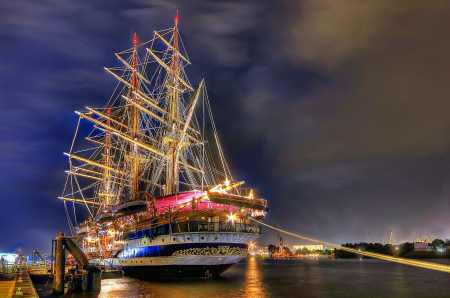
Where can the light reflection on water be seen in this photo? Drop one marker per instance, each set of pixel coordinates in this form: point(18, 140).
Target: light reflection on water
point(260, 278)
point(253, 285)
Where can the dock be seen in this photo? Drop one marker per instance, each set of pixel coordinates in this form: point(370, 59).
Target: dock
point(17, 284)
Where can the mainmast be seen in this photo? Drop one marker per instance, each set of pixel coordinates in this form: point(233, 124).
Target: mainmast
point(135, 121)
point(172, 170)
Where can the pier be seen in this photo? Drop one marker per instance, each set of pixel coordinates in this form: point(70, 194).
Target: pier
point(17, 284)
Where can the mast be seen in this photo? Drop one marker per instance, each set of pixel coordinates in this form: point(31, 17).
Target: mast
point(141, 132)
point(107, 185)
point(172, 170)
point(135, 122)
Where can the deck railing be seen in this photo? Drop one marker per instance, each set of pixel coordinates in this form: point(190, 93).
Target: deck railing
point(197, 227)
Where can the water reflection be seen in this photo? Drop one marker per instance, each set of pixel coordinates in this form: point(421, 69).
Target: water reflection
point(260, 278)
point(400, 285)
point(117, 287)
point(254, 285)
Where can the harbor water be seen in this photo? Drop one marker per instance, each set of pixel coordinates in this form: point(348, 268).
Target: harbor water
point(258, 277)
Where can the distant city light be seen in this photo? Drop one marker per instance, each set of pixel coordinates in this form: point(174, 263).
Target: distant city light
point(9, 257)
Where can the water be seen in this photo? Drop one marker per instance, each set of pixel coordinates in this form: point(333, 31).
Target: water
point(256, 277)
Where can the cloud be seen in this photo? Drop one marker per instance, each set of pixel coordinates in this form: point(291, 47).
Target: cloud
point(377, 85)
point(335, 175)
point(331, 31)
point(335, 110)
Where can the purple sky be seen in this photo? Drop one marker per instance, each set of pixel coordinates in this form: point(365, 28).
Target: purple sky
point(336, 111)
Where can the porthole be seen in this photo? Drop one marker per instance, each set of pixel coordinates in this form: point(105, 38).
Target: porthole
point(203, 238)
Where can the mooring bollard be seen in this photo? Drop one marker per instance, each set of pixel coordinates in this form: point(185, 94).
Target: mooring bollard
point(60, 263)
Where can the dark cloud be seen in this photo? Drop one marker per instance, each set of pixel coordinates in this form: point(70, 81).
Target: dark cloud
point(339, 107)
point(398, 103)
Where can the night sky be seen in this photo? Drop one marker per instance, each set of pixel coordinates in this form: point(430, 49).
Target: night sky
point(337, 111)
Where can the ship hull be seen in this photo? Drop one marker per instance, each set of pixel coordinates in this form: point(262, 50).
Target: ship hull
point(181, 267)
point(182, 258)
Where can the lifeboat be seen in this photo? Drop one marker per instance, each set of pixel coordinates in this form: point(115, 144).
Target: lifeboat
point(128, 208)
point(104, 217)
point(237, 200)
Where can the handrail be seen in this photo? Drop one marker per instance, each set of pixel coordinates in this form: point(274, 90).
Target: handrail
point(197, 227)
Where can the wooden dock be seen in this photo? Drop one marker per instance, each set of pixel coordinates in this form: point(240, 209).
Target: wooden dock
point(17, 284)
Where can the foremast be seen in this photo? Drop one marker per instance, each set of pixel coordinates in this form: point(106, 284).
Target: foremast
point(134, 122)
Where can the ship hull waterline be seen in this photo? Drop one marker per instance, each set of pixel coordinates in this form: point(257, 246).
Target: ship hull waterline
point(185, 267)
point(144, 263)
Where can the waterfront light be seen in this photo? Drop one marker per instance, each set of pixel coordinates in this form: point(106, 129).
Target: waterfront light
point(9, 257)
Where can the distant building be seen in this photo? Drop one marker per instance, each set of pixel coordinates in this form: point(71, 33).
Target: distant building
point(262, 252)
point(8, 257)
point(447, 244)
point(310, 247)
point(422, 246)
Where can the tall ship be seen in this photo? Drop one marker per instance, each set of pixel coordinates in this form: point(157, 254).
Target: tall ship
point(148, 189)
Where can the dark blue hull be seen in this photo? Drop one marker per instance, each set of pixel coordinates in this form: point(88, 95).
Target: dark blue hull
point(175, 271)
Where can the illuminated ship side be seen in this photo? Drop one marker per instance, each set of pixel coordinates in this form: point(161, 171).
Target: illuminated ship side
point(145, 180)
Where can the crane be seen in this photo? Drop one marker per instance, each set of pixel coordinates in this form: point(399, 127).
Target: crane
point(390, 239)
point(371, 239)
point(421, 240)
point(431, 239)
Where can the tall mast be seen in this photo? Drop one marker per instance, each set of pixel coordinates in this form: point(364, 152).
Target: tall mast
point(107, 152)
point(172, 165)
point(135, 120)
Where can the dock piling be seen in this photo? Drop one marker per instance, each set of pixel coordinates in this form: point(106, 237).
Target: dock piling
point(90, 277)
point(60, 264)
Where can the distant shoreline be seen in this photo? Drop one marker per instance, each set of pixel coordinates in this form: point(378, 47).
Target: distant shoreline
point(411, 255)
point(427, 255)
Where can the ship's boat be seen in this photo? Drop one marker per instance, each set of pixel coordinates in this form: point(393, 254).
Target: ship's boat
point(104, 217)
point(129, 208)
point(240, 201)
point(151, 195)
